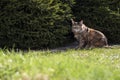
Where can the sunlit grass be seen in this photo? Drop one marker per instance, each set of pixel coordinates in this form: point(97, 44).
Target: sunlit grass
point(95, 64)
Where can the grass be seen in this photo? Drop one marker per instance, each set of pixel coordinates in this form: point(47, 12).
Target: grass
point(95, 64)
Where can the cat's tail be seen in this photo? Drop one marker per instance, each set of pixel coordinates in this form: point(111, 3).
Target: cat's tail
point(107, 46)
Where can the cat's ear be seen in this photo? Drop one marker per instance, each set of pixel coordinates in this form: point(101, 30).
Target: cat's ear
point(81, 22)
point(72, 21)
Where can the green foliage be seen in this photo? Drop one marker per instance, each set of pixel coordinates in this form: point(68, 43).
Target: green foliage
point(103, 15)
point(95, 64)
point(34, 23)
point(46, 23)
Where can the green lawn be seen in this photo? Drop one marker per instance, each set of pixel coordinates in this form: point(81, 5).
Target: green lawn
point(95, 64)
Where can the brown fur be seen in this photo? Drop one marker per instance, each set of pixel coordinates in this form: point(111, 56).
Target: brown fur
point(87, 37)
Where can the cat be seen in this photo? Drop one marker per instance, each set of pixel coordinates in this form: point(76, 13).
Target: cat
point(88, 37)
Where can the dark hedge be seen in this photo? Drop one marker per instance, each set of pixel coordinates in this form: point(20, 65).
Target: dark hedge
point(34, 23)
point(46, 23)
